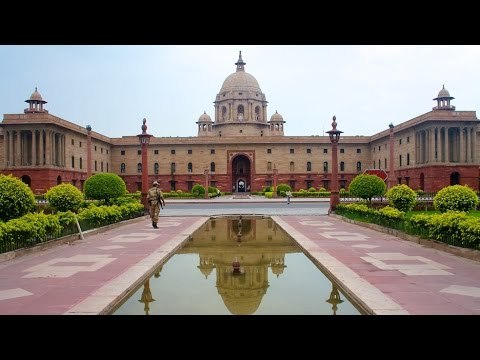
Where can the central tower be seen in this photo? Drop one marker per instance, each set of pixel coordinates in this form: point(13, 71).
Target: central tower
point(240, 106)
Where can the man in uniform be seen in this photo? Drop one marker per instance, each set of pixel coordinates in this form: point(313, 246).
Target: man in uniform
point(156, 200)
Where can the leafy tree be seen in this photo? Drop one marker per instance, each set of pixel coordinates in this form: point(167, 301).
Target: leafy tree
point(366, 187)
point(402, 197)
point(104, 186)
point(456, 198)
point(16, 198)
point(65, 197)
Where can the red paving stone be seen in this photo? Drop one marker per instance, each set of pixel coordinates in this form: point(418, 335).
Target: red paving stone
point(417, 294)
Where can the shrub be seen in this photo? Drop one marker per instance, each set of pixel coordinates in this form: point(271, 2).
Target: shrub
point(401, 197)
point(198, 190)
point(312, 189)
point(456, 198)
point(104, 186)
point(267, 189)
point(283, 187)
point(321, 189)
point(367, 187)
point(65, 197)
point(16, 198)
point(179, 191)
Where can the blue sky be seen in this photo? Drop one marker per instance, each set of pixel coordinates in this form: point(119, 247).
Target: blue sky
point(112, 88)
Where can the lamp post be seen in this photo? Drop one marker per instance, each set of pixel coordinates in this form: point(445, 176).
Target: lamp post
point(147, 297)
point(144, 139)
point(334, 135)
point(334, 299)
point(391, 168)
point(206, 183)
point(89, 151)
point(275, 172)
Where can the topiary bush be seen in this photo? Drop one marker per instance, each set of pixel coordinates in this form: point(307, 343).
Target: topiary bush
point(456, 198)
point(402, 197)
point(198, 190)
point(65, 197)
point(367, 187)
point(312, 189)
point(104, 186)
point(283, 187)
point(16, 198)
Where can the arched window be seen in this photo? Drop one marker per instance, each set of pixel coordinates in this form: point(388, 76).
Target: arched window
point(101, 166)
point(107, 167)
point(190, 167)
point(292, 166)
point(325, 166)
point(257, 113)
point(400, 160)
point(385, 163)
point(95, 165)
point(73, 162)
point(408, 159)
point(122, 168)
point(156, 168)
point(139, 168)
point(212, 167)
point(81, 164)
point(172, 167)
point(309, 166)
point(269, 166)
point(240, 114)
point(342, 166)
point(224, 113)
point(359, 166)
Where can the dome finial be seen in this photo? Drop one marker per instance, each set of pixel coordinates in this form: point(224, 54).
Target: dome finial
point(240, 63)
point(35, 88)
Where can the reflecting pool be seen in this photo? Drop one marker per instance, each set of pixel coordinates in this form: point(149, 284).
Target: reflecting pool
point(238, 266)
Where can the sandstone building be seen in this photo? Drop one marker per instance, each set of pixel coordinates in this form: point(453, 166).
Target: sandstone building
point(241, 148)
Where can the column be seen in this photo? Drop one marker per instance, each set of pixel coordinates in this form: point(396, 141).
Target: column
point(41, 160)
point(54, 149)
point(48, 147)
point(461, 157)
point(6, 144)
point(447, 147)
point(469, 145)
point(34, 147)
point(17, 149)
point(474, 145)
point(10, 148)
point(431, 139)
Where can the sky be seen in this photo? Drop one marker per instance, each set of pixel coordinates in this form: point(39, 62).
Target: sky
point(112, 88)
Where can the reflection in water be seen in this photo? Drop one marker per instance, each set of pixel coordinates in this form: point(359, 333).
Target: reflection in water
point(238, 253)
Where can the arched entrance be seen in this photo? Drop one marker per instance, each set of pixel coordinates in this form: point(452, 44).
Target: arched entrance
point(59, 180)
point(241, 179)
point(454, 178)
point(27, 180)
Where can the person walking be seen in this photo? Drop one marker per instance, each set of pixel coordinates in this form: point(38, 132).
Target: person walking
point(156, 200)
point(289, 195)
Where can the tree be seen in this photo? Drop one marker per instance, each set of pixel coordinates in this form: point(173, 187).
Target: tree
point(367, 187)
point(16, 198)
point(104, 186)
point(456, 198)
point(65, 197)
point(402, 197)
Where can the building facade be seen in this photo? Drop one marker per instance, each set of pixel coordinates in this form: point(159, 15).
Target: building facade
point(241, 150)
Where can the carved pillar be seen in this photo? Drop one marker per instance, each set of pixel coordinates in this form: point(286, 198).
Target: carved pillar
point(34, 147)
point(447, 147)
point(461, 157)
point(48, 147)
point(18, 149)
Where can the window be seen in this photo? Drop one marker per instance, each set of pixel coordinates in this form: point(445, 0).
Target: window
point(309, 184)
point(212, 167)
point(80, 144)
point(156, 168)
point(172, 185)
point(292, 151)
point(325, 151)
point(359, 151)
point(139, 168)
point(269, 151)
point(374, 164)
point(379, 147)
point(269, 166)
point(73, 162)
point(172, 167)
point(309, 166)
point(325, 166)
point(400, 160)
point(155, 152)
point(379, 164)
point(107, 166)
point(73, 142)
point(342, 151)
point(342, 166)
point(408, 159)
point(385, 163)
point(101, 166)
point(139, 152)
point(399, 180)
point(212, 151)
point(189, 167)
point(95, 147)
point(189, 151)
point(408, 139)
point(359, 166)
point(399, 141)
point(172, 151)
point(81, 165)
point(309, 151)
point(101, 150)
point(107, 151)
point(95, 165)
point(122, 152)
point(122, 168)
point(292, 166)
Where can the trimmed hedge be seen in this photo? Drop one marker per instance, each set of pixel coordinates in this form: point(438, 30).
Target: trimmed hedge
point(455, 198)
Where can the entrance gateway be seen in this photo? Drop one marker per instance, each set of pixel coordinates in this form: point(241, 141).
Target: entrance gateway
point(241, 174)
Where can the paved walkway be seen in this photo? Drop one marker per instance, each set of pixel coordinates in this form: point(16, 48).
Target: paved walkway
point(385, 274)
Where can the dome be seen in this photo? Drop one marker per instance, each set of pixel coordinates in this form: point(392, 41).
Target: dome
point(204, 117)
point(276, 117)
point(240, 80)
point(443, 93)
point(36, 96)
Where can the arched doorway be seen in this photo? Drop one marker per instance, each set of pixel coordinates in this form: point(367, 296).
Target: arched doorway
point(27, 180)
point(454, 178)
point(241, 179)
point(422, 181)
point(59, 180)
